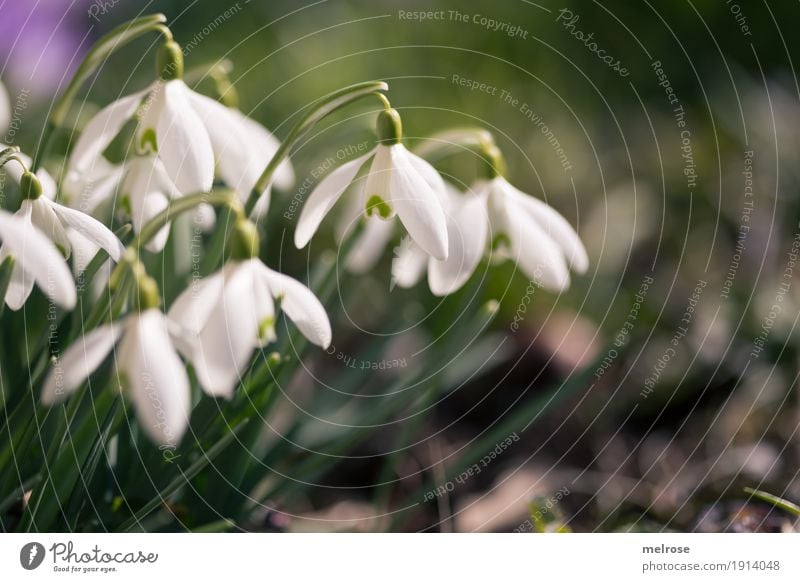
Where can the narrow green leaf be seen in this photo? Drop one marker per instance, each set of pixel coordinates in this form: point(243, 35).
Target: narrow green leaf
point(192, 471)
point(784, 504)
point(6, 269)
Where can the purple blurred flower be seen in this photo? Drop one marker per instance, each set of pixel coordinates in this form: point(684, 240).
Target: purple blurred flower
point(41, 42)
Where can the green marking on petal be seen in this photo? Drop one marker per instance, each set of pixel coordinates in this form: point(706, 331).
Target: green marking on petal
point(148, 142)
point(501, 240)
point(125, 204)
point(266, 328)
point(379, 205)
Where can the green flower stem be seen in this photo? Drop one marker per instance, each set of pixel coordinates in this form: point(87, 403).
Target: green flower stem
point(6, 268)
point(179, 206)
point(107, 45)
point(8, 154)
point(318, 111)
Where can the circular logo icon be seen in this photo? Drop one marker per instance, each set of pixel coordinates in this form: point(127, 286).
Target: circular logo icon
point(31, 555)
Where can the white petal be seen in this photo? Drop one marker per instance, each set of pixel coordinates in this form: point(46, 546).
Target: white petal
point(301, 306)
point(90, 228)
point(83, 251)
point(468, 226)
point(262, 204)
point(557, 227)
point(87, 191)
point(370, 245)
point(265, 310)
point(267, 144)
point(78, 362)
point(535, 252)
point(143, 208)
point(19, 287)
point(229, 336)
point(193, 307)
point(204, 218)
point(428, 172)
point(409, 263)
point(237, 160)
point(323, 198)
point(45, 219)
point(159, 386)
point(37, 256)
point(417, 205)
point(99, 132)
point(183, 142)
point(378, 181)
point(148, 189)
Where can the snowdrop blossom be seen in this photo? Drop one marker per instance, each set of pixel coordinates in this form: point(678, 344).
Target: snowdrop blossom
point(533, 234)
point(232, 313)
point(467, 226)
point(150, 371)
point(190, 133)
point(398, 182)
point(36, 261)
point(60, 224)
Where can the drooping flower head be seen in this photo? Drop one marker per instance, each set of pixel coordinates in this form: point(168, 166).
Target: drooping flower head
point(189, 134)
point(63, 226)
point(149, 370)
point(521, 228)
point(232, 312)
point(398, 183)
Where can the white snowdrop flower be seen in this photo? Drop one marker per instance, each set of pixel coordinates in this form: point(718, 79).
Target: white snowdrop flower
point(61, 224)
point(232, 312)
point(522, 228)
point(398, 182)
point(145, 189)
point(36, 261)
point(5, 109)
point(533, 234)
point(191, 134)
point(150, 371)
point(467, 226)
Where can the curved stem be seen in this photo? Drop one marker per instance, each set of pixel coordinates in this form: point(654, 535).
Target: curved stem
point(318, 111)
point(108, 44)
point(179, 206)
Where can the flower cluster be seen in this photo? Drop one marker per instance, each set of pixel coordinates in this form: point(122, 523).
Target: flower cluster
point(189, 153)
